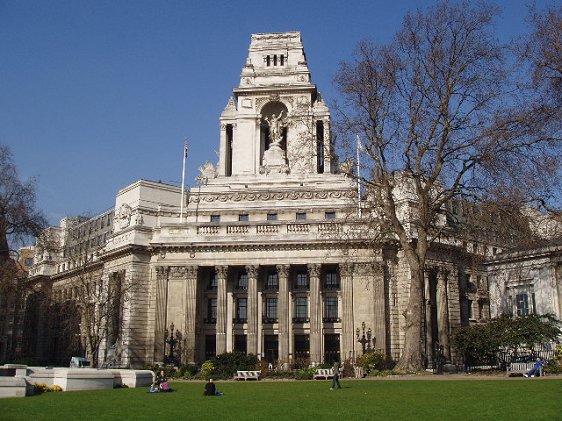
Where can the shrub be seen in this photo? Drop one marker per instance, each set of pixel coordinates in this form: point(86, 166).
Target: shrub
point(371, 361)
point(305, 373)
point(42, 387)
point(226, 365)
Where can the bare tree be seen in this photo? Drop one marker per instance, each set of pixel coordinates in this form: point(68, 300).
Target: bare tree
point(436, 114)
point(18, 219)
point(18, 216)
point(92, 298)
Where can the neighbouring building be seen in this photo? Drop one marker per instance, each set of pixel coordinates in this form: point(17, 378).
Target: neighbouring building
point(266, 256)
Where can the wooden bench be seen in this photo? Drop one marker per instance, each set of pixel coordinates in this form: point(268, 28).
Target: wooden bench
point(323, 373)
point(247, 375)
point(521, 368)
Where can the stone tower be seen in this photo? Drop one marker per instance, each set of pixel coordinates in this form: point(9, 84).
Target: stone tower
point(275, 124)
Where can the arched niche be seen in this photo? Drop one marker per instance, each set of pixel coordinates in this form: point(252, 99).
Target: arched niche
point(273, 110)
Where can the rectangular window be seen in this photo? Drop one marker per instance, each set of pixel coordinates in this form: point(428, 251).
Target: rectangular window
point(240, 343)
point(244, 217)
point(331, 348)
point(271, 348)
point(212, 283)
point(301, 281)
point(330, 215)
point(241, 310)
point(301, 309)
point(301, 216)
point(302, 349)
point(212, 310)
point(271, 310)
point(215, 218)
point(210, 346)
point(522, 304)
point(331, 280)
point(272, 217)
point(242, 282)
point(331, 309)
point(272, 281)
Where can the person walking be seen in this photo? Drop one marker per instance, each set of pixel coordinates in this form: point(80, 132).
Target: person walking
point(336, 376)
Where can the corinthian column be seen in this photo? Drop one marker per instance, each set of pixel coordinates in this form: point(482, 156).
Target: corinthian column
point(252, 272)
point(443, 311)
point(379, 297)
point(283, 313)
point(347, 340)
point(315, 314)
point(160, 316)
point(222, 317)
point(190, 313)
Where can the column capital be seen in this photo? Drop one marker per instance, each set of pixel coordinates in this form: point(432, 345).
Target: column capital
point(314, 269)
point(221, 271)
point(252, 271)
point(283, 270)
point(346, 269)
point(162, 272)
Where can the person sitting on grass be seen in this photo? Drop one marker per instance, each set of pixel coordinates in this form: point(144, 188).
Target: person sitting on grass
point(536, 370)
point(210, 389)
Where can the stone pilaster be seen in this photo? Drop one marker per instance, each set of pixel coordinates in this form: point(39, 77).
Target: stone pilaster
point(379, 298)
point(222, 313)
point(252, 272)
point(190, 314)
point(161, 309)
point(347, 339)
point(427, 312)
point(443, 311)
point(315, 314)
point(283, 313)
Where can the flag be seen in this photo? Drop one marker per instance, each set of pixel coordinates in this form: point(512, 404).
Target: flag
point(185, 149)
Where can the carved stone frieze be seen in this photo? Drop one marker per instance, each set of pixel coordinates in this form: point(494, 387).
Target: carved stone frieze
point(265, 196)
point(162, 272)
point(178, 272)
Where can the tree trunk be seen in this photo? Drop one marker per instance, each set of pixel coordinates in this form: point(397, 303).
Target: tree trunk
point(412, 355)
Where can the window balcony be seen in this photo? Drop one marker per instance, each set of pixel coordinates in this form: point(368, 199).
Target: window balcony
point(210, 320)
point(301, 319)
point(269, 320)
point(331, 319)
point(240, 320)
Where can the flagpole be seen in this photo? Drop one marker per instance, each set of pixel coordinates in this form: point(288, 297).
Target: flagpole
point(358, 179)
point(183, 179)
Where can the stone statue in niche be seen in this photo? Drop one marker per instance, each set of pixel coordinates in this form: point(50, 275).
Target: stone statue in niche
point(276, 124)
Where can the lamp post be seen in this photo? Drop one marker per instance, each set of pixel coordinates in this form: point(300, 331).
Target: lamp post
point(171, 341)
point(364, 338)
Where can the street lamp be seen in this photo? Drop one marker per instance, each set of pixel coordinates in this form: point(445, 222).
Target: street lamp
point(364, 338)
point(171, 341)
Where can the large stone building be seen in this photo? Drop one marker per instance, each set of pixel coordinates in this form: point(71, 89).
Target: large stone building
point(267, 255)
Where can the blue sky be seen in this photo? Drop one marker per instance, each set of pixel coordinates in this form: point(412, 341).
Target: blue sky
point(97, 94)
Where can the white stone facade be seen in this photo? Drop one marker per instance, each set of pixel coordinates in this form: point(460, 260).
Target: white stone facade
point(268, 257)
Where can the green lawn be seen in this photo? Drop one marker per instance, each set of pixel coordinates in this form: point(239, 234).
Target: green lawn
point(523, 399)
